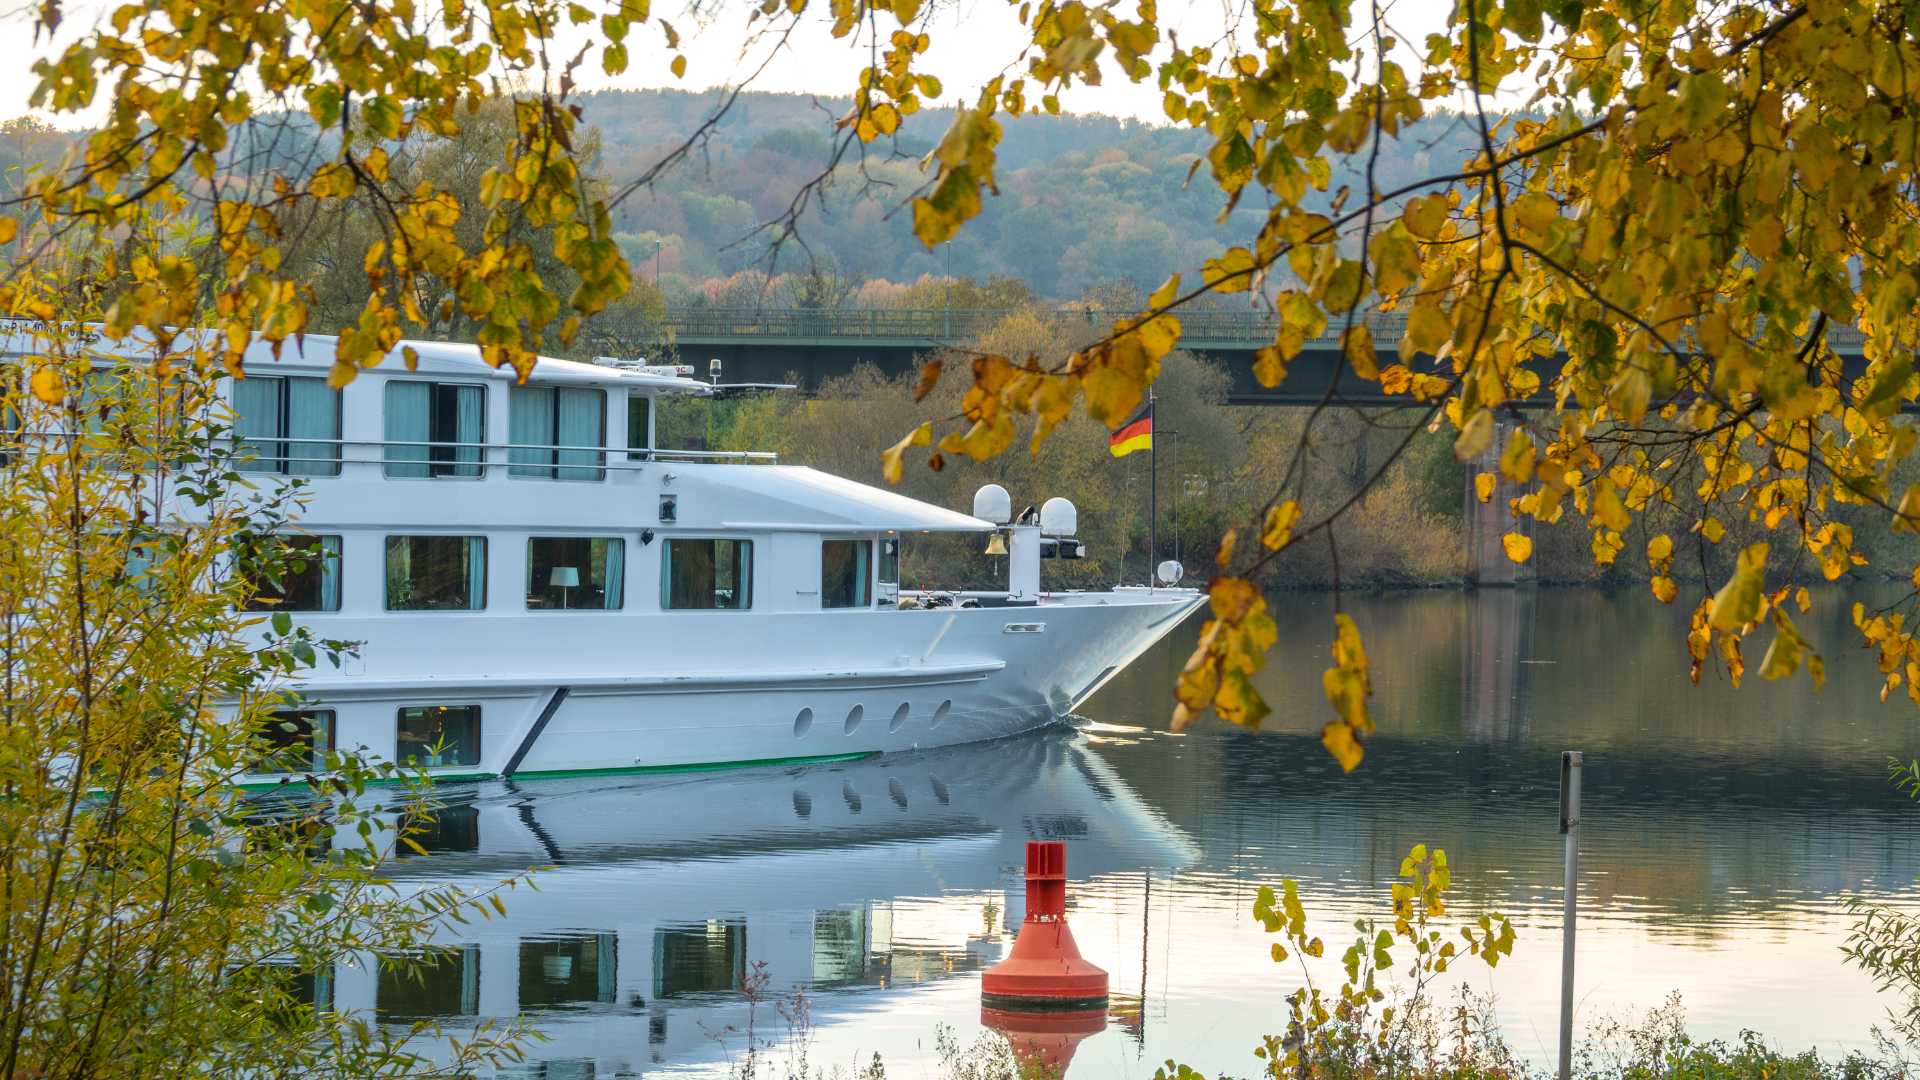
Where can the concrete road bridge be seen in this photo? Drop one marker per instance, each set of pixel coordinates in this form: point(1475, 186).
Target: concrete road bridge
point(768, 344)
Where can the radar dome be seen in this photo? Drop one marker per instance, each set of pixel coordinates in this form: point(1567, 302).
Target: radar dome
point(994, 504)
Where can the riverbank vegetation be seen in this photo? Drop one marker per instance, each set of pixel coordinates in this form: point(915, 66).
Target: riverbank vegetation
point(155, 920)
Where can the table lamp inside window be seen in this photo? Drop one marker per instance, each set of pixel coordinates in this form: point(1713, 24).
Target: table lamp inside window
point(564, 578)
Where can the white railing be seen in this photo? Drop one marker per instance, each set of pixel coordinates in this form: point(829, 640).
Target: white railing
point(489, 455)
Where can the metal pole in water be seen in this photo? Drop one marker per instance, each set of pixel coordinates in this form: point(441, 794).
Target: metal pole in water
point(1570, 828)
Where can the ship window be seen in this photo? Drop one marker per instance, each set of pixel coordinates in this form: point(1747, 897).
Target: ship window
point(639, 416)
point(293, 740)
point(889, 569)
point(439, 735)
point(309, 576)
point(287, 425)
point(557, 432)
point(707, 574)
point(844, 573)
point(575, 573)
point(436, 573)
point(434, 983)
point(434, 429)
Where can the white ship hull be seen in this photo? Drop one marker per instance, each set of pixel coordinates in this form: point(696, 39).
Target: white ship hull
point(782, 686)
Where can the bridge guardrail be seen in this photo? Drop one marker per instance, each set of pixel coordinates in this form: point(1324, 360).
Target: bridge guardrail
point(937, 326)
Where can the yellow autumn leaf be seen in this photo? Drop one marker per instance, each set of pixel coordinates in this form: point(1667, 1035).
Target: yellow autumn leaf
point(1738, 601)
point(1536, 211)
point(1907, 516)
point(1483, 486)
point(1269, 367)
point(47, 386)
point(1357, 342)
point(1713, 530)
point(1659, 549)
point(1475, 436)
point(1427, 329)
point(9, 228)
point(1516, 461)
point(1664, 588)
point(1231, 272)
point(1337, 737)
point(1518, 547)
point(892, 459)
point(1277, 532)
point(1425, 216)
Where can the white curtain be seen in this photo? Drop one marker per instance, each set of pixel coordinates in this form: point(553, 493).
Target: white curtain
point(256, 423)
point(476, 573)
point(329, 573)
point(313, 413)
point(408, 408)
point(530, 423)
point(582, 422)
point(616, 572)
point(862, 573)
point(471, 410)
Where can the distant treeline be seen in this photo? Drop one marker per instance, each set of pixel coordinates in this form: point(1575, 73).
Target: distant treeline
point(1085, 201)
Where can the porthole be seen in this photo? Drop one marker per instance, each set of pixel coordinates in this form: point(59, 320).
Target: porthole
point(899, 718)
point(802, 722)
point(897, 791)
point(940, 714)
point(802, 804)
point(854, 716)
point(850, 796)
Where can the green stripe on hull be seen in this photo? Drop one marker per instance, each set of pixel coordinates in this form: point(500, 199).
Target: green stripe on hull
point(618, 770)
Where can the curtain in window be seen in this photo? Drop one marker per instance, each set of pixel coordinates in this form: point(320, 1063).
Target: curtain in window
point(582, 422)
point(639, 408)
point(407, 419)
point(616, 573)
point(313, 413)
point(862, 574)
point(470, 428)
point(530, 423)
point(256, 422)
point(476, 573)
point(329, 573)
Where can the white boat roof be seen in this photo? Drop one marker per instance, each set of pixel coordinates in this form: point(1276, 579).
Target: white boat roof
point(313, 354)
point(788, 498)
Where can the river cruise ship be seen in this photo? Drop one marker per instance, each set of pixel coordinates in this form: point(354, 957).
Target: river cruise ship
point(538, 588)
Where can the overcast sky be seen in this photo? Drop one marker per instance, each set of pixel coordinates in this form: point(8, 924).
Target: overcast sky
point(973, 41)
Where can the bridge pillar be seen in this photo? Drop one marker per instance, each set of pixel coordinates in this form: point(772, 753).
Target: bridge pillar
point(1485, 523)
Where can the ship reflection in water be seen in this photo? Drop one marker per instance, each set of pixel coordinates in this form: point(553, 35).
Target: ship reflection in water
point(667, 898)
point(1724, 833)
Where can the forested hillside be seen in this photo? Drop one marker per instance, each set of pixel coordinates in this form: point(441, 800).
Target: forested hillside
point(1084, 201)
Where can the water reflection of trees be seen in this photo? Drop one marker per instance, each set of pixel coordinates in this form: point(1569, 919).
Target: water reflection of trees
point(1700, 801)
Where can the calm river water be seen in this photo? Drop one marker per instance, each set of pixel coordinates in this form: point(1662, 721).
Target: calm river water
point(1724, 832)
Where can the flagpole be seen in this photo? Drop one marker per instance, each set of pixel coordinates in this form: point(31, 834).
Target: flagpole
point(1153, 496)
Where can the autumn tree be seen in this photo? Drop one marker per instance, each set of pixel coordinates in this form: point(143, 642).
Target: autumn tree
point(1664, 215)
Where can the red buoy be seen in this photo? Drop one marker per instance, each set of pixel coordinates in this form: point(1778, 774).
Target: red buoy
point(1045, 972)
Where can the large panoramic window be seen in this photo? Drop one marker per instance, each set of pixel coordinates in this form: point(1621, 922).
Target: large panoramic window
point(575, 573)
point(435, 736)
point(287, 425)
point(293, 740)
point(557, 432)
point(639, 419)
point(436, 573)
point(309, 576)
point(704, 574)
point(435, 429)
point(844, 573)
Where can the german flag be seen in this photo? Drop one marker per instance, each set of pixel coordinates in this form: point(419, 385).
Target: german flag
point(1135, 434)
